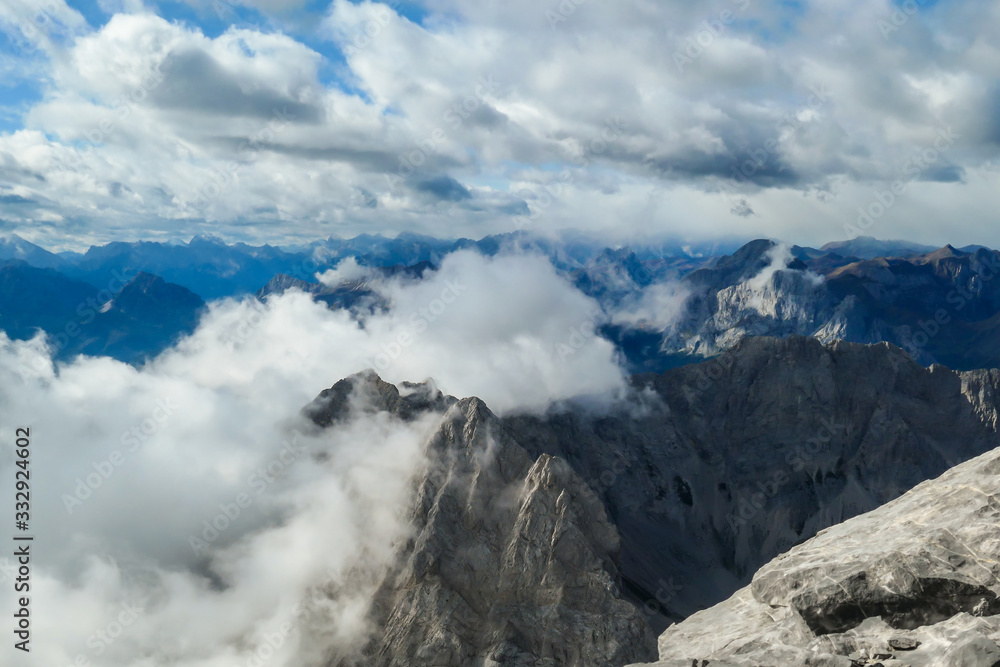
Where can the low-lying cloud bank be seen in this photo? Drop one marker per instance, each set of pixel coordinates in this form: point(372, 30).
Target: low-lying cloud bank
point(185, 515)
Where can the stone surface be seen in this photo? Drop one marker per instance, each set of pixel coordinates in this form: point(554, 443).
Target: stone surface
point(715, 468)
point(914, 582)
point(532, 534)
point(512, 560)
point(940, 306)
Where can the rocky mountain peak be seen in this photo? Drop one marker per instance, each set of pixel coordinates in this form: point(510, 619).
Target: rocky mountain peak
point(565, 538)
point(742, 265)
point(947, 252)
point(368, 392)
point(148, 296)
point(512, 559)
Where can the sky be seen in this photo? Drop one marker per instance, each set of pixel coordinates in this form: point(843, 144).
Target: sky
point(283, 122)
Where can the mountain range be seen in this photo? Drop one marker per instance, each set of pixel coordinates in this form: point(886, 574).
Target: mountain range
point(212, 268)
point(569, 538)
point(801, 471)
point(940, 306)
point(132, 318)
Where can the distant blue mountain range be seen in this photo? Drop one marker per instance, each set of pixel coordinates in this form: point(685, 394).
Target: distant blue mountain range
point(132, 300)
point(212, 268)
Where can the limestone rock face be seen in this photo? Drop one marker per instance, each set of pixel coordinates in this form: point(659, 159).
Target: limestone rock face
point(512, 559)
point(561, 539)
point(719, 467)
point(914, 582)
point(940, 306)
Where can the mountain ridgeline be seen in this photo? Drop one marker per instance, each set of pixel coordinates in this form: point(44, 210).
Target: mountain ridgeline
point(803, 470)
point(941, 306)
point(133, 317)
point(568, 538)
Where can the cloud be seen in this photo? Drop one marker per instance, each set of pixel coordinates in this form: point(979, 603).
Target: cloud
point(443, 187)
point(659, 305)
point(743, 209)
point(193, 80)
point(134, 467)
point(504, 336)
point(780, 256)
point(475, 111)
point(347, 270)
point(761, 285)
point(186, 496)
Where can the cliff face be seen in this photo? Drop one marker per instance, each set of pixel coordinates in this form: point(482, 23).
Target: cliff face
point(562, 539)
point(511, 559)
point(720, 466)
point(915, 582)
point(940, 306)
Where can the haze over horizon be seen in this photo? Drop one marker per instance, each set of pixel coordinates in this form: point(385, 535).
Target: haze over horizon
point(280, 123)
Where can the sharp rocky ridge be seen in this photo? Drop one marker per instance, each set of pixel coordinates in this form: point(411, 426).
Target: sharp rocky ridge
point(570, 538)
point(940, 306)
point(512, 559)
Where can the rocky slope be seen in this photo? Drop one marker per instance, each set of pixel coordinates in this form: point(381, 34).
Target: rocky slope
point(716, 468)
point(941, 306)
point(564, 539)
point(512, 560)
point(915, 583)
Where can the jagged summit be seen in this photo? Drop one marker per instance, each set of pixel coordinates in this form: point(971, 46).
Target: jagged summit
point(570, 536)
point(941, 306)
point(369, 392)
point(743, 264)
point(149, 296)
point(512, 559)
